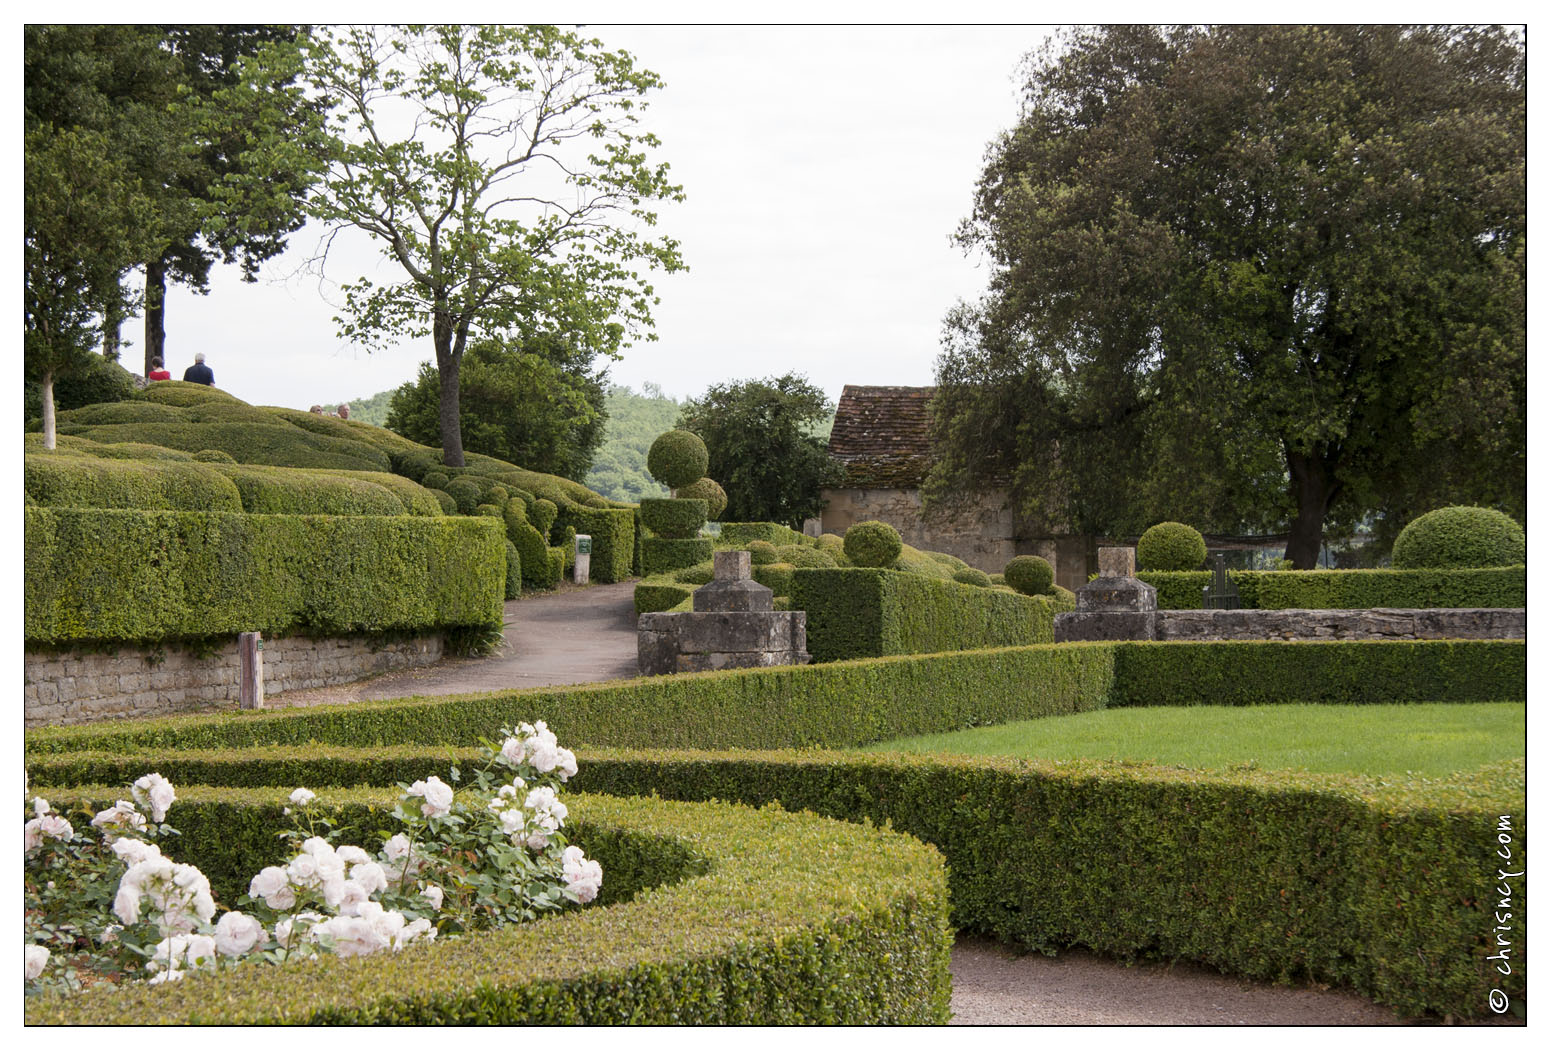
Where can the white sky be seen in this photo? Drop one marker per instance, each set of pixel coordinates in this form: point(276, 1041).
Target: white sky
point(825, 170)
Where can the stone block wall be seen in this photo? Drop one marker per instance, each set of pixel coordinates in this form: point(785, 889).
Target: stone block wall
point(1215, 624)
point(77, 687)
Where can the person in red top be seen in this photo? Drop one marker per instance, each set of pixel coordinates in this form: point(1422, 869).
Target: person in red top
point(157, 372)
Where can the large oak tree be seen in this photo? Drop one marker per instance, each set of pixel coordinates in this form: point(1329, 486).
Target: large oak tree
point(1249, 277)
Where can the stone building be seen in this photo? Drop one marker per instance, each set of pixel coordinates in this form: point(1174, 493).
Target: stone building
point(881, 436)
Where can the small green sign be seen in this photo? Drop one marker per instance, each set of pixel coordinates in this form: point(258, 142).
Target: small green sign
point(584, 545)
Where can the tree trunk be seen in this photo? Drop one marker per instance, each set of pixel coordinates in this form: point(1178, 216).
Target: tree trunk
point(112, 325)
point(1312, 492)
point(448, 360)
point(155, 304)
point(48, 409)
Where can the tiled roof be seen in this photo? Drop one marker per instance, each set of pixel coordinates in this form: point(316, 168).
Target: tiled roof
point(880, 434)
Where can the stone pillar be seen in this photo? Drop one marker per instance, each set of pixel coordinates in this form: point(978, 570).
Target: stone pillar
point(733, 625)
point(582, 573)
point(1112, 606)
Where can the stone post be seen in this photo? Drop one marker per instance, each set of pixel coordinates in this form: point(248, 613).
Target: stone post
point(250, 685)
point(582, 573)
point(1113, 605)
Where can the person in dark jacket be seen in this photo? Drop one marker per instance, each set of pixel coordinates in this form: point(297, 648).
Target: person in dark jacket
point(199, 372)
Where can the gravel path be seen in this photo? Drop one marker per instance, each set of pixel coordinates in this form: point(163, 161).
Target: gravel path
point(588, 635)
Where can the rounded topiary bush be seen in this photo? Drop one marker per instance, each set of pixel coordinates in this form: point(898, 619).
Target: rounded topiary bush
point(513, 571)
point(1028, 575)
point(448, 505)
point(465, 492)
point(804, 557)
point(488, 510)
point(1170, 546)
point(1459, 538)
point(435, 480)
point(677, 459)
point(709, 491)
point(762, 553)
point(542, 516)
point(213, 456)
point(973, 577)
point(873, 544)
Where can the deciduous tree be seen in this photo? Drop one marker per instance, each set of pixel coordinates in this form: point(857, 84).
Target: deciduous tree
point(502, 173)
point(763, 447)
point(1272, 274)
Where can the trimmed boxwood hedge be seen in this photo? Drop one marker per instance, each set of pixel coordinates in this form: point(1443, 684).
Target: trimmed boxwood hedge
point(857, 702)
point(160, 576)
point(740, 534)
point(738, 926)
point(875, 612)
point(1279, 875)
point(61, 479)
point(1502, 588)
point(674, 519)
point(659, 555)
point(660, 594)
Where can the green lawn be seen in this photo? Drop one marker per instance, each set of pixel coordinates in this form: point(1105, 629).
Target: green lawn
point(1428, 739)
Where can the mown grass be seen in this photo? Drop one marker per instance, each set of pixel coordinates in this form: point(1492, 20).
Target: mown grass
point(1426, 739)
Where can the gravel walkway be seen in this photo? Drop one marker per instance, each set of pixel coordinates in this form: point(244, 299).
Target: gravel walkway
point(588, 635)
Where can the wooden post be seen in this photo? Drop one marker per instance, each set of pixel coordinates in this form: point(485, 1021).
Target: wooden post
point(250, 650)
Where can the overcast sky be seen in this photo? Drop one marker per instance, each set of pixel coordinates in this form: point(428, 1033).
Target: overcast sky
point(825, 170)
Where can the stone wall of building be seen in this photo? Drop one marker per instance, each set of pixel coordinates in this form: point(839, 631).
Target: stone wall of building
point(78, 687)
point(986, 536)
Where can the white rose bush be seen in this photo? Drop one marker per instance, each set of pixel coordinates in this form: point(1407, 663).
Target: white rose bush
point(105, 904)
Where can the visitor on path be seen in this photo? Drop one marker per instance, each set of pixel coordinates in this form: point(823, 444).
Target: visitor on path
point(199, 372)
point(157, 372)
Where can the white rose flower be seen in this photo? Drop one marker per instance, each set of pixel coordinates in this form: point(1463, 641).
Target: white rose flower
point(352, 855)
point(542, 755)
point(583, 877)
point(32, 834)
point(35, 958)
point(301, 797)
point(237, 933)
point(512, 821)
point(350, 936)
point(370, 875)
point(39, 808)
point(126, 903)
point(122, 817)
point(567, 765)
point(303, 871)
point(437, 796)
point(346, 896)
point(133, 851)
point(200, 952)
point(538, 840)
point(505, 792)
point(433, 894)
point(512, 750)
point(155, 792)
point(330, 866)
point(420, 928)
point(397, 848)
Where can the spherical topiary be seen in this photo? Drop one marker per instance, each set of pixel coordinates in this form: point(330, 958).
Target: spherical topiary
point(975, 578)
point(871, 544)
point(465, 491)
point(435, 480)
point(1029, 575)
point(213, 456)
point(677, 458)
point(1459, 538)
point(488, 510)
point(762, 553)
point(448, 504)
point(542, 516)
point(498, 495)
point(1170, 546)
point(706, 489)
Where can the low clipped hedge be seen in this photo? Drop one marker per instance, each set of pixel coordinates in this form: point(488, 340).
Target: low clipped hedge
point(160, 576)
point(278, 444)
point(741, 534)
point(1501, 588)
point(659, 555)
point(876, 612)
point(658, 595)
point(286, 491)
point(732, 923)
point(857, 702)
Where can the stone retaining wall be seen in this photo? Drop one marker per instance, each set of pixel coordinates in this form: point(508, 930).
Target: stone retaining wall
point(1215, 624)
point(78, 687)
